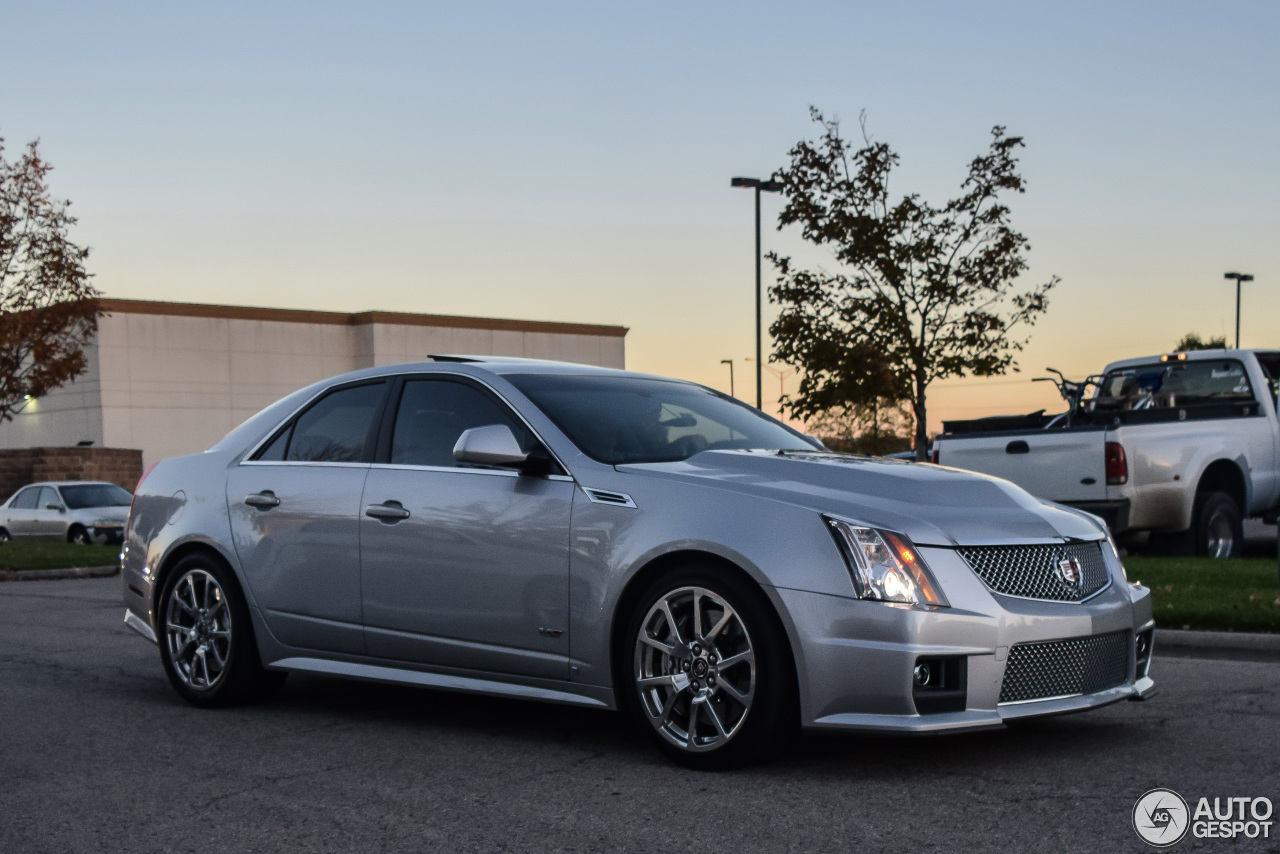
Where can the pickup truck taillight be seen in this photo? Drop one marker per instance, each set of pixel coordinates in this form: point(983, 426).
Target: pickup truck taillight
point(1117, 465)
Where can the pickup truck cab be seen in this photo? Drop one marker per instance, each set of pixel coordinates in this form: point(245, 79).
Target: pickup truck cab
point(1181, 445)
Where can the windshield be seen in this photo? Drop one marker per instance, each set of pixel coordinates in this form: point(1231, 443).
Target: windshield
point(81, 496)
point(618, 420)
point(1175, 384)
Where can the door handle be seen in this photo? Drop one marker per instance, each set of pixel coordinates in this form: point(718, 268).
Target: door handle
point(388, 511)
point(264, 500)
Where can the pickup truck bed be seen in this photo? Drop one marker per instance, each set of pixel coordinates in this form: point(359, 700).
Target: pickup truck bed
point(1181, 445)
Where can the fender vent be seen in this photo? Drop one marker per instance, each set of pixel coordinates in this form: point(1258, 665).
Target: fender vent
point(603, 496)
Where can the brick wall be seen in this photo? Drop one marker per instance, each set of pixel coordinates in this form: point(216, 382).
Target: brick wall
point(28, 465)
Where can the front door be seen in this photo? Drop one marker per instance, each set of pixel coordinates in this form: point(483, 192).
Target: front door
point(50, 518)
point(295, 513)
point(470, 568)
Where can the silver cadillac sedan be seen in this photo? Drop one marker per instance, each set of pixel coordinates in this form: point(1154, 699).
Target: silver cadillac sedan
point(607, 539)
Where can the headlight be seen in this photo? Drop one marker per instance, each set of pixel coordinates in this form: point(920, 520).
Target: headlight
point(884, 565)
point(1115, 552)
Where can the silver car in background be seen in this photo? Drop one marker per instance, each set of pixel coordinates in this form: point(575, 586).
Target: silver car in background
point(613, 540)
point(75, 511)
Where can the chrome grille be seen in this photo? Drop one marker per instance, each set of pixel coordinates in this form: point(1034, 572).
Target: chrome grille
point(1030, 571)
point(1066, 668)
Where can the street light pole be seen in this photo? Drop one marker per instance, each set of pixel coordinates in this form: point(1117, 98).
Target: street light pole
point(1239, 277)
point(729, 362)
point(767, 187)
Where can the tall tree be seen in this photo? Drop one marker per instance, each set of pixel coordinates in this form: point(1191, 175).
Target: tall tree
point(48, 309)
point(923, 292)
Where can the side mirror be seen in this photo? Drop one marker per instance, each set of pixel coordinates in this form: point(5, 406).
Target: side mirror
point(57, 507)
point(492, 445)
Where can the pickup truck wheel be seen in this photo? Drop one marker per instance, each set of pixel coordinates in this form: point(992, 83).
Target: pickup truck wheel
point(1218, 526)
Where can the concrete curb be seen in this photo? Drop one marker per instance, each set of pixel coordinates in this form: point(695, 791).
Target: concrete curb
point(1241, 646)
point(58, 574)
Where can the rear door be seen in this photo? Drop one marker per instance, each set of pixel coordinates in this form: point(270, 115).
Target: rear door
point(21, 512)
point(295, 512)
point(1060, 465)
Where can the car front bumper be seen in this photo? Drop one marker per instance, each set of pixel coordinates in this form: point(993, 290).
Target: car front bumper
point(856, 658)
point(111, 535)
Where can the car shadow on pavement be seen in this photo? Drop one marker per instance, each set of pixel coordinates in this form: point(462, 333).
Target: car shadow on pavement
point(414, 713)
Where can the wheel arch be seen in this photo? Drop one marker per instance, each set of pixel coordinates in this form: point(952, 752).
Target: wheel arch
point(657, 566)
point(1223, 475)
point(176, 554)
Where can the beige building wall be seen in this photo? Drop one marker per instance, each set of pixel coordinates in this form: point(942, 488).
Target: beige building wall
point(173, 378)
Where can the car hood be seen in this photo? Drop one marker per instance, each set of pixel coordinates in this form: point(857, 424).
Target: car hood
point(933, 505)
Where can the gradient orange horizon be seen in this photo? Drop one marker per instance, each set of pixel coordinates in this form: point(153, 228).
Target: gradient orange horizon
point(571, 161)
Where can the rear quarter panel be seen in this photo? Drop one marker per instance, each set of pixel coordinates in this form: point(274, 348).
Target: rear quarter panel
point(1166, 462)
point(182, 501)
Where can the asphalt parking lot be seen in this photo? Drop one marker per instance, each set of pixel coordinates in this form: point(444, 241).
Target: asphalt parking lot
point(99, 754)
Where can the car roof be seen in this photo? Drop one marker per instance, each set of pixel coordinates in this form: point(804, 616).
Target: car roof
point(72, 483)
point(498, 365)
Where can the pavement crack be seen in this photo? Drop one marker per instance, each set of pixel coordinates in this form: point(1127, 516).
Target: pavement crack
point(272, 780)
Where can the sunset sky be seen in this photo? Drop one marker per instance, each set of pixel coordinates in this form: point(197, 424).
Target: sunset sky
point(572, 161)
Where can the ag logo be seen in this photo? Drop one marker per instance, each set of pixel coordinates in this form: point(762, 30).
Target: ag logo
point(1160, 817)
point(1068, 569)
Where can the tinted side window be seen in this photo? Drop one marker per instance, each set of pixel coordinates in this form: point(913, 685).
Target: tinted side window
point(274, 452)
point(47, 496)
point(432, 415)
point(26, 499)
point(336, 429)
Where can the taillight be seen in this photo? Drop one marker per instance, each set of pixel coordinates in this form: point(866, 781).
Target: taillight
point(933, 458)
point(1117, 464)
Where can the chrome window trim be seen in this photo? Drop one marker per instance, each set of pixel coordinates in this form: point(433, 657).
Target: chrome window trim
point(500, 472)
point(312, 463)
point(246, 461)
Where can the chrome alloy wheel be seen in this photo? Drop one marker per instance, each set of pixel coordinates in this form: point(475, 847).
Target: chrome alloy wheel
point(1221, 537)
point(695, 669)
point(198, 630)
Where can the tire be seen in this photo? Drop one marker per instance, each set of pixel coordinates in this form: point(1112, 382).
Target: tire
point(5, 536)
point(743, 713)
point(79, 536)
point(206, 637)
point(1219, 525)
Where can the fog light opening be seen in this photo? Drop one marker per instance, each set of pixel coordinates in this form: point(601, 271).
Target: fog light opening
point(939, 684)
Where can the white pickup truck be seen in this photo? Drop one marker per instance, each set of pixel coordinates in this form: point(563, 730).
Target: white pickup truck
point(1181, 445)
